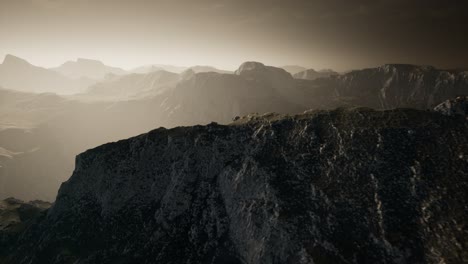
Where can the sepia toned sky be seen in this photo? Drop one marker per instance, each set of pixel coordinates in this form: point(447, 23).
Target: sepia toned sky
point(337, 34)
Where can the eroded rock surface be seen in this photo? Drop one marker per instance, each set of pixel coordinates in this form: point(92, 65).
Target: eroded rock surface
point(457, 106)
point(342, 186)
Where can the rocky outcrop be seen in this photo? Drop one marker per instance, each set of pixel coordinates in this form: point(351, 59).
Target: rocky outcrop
point(397, 85)
point(15, 217)
point(342, 186)
point(457, 106)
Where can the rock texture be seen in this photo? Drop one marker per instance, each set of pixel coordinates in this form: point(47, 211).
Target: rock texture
point(457, 106)
point(342, 186)
point(15, 217)
point(136, 103)
point(396, 85)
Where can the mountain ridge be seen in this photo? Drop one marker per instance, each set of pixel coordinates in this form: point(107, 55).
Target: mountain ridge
point(322, 186)
point(87, 68)
point(18, 74)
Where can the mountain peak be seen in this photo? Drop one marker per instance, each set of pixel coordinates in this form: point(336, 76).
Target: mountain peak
point(13, 60)
point(249, 66)
point(187, 74)
point(89, 61)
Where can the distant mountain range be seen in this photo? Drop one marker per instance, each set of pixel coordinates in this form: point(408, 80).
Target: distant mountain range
point(176, 69)
point(18, 74)
point(311, 74)
point(42, 133)
point(86, 68)
point(133, 86)
point(73, 76)
point(158, 67)
point(293, 69)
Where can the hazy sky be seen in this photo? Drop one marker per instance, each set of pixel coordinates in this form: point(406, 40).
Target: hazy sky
point(320, 34)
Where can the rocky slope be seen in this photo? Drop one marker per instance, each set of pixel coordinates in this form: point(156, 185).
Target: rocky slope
point(15, 217)
point(342, 186)
point(397, 85)
point(457, 106)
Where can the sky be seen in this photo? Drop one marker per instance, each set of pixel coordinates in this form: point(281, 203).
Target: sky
point(336, 34)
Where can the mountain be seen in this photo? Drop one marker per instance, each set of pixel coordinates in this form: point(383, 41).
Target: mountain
point(293, 69)
point(201, 68)
point(204, 97)
point(278, 78)
point(18, 74)
point(86, 68)
point(176, 69)
point(27, 110)
point(397, 85)
point(159, 67)
point(342, 186)
point(311, 74)
point(133, 85)
point(43, 133)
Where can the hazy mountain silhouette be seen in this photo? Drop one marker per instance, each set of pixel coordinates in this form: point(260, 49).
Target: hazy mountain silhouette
point(293, 69)
point(133, 86)
point(202, 68)
point(158, 67)
point(27, 110)
point(312, 74)
point(18, 74)
point(86, 68)
point(176, 69)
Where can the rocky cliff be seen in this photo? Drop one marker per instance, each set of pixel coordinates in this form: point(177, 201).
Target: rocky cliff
point(15, 217)
point(342, 186)
point(396, 85)
point(457, 106)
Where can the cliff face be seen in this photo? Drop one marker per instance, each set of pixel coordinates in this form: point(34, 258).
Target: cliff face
point(343, 186)
point(397, 85)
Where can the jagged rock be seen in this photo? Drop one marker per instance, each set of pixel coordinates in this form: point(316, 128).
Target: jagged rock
point(15, 217)
point(457, 106)
point(396, 85)
point(343, 186)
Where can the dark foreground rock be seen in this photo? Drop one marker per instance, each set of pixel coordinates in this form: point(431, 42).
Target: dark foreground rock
point(343, 186)
point(15, 217)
